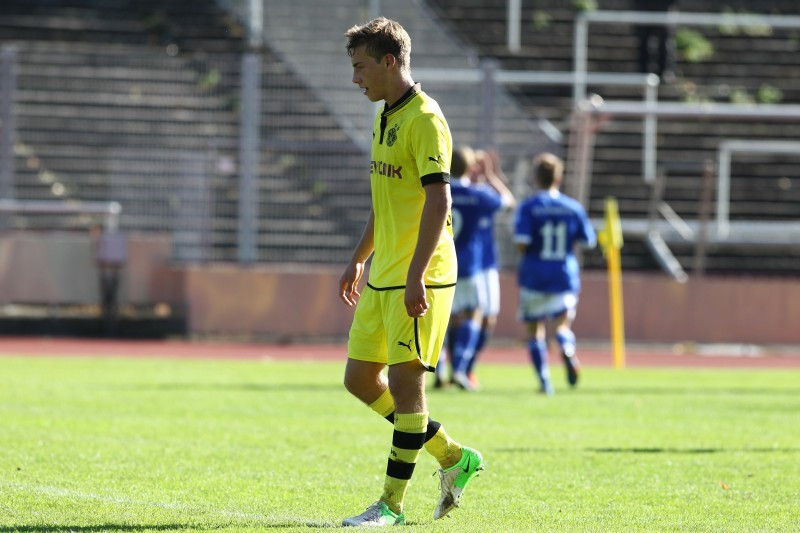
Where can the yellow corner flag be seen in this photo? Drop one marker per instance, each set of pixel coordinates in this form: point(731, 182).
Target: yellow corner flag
point(611, 240)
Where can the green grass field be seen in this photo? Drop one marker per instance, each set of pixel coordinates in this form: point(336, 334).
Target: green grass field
point(162, 444)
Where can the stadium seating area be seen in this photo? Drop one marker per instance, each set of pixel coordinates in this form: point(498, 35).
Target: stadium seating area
point(139, 100)
point(764, 188)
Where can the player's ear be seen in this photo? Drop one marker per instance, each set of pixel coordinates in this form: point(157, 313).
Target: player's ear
point(389, 60)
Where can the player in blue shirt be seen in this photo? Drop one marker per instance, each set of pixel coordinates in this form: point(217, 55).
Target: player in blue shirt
point(471, 205)
point(547, 227)
point(489, 177)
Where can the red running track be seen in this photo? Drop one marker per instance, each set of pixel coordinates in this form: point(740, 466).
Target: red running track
point(636, 355)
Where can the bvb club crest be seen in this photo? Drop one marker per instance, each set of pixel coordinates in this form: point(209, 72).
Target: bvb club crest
point(391, 135)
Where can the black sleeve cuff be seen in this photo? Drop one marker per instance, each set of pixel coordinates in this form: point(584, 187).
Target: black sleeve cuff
point(438, 177)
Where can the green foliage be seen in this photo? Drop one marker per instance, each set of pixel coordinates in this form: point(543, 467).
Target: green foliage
point(693, 46)
point(585, 5)
point(756, 28)
point(92, 444)
point(739, 95)
point(209, 80)
point(319, 188)
point(541, 19)
point(769, 94)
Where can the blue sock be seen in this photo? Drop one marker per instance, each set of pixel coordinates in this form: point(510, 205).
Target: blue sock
point(566, 339)
point(464, 345)
point(483, 334)
point(538, 351)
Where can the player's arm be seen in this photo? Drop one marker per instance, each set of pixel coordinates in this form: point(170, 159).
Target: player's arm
point(348, 283)
point(431, 224)
point(588, 234)
point(522, 230)
point(496, 178)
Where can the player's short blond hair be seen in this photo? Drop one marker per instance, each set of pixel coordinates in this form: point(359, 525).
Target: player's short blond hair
point(381, 36)
point(549, 169)
point(463, 159)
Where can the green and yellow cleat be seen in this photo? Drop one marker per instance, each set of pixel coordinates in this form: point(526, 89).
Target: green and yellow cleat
point(453, 480)
point(377, 515)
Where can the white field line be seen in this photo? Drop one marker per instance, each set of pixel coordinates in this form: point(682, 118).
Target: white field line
point(58, 492)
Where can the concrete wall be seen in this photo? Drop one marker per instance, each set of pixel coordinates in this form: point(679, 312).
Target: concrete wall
point(303, 303)
point(296, 301)
point(59, 267)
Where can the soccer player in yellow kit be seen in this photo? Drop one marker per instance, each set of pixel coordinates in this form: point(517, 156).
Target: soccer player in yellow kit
point(401, 318)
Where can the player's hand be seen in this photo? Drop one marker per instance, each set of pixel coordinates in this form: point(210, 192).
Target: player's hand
point(348, 283)
point(416, 304)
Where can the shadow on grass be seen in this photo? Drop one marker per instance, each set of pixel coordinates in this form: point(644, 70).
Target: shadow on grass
point(533, 392)
point(648, 450)
point(699, 390)
point(692, 450)
point(89, 529)
point(247, 387)
point(165, 527)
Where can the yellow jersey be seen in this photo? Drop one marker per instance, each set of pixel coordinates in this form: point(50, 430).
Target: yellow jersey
point(411, 148)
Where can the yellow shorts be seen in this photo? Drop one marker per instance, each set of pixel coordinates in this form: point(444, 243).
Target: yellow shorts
point(382, 331)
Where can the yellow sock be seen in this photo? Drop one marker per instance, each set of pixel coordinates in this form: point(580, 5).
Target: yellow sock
point(384, 405)
point(438, 443)
point(443, 448)
point(407, 441)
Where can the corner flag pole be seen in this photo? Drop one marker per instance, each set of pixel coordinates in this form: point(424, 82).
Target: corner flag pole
point(611, 241)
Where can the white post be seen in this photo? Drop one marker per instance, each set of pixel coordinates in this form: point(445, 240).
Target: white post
point(514, 16)
point(580, 53)
point(249, 161)
point(8, 129)
point(650, 124)
point(488, 103)
point(256, 23)
point(374, 9)
point(723, 192)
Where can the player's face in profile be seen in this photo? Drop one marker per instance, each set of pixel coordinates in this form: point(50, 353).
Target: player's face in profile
point(368, 74)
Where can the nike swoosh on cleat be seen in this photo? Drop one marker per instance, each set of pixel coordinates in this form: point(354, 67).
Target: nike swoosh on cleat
point(465, 468)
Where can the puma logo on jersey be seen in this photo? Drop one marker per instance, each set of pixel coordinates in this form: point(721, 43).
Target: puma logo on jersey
point(406, 344)
point(436, 159)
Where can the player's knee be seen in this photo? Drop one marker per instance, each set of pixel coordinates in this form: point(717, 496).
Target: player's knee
point(351, 383)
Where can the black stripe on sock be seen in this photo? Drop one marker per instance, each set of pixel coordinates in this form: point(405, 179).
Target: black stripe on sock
point(408, 441)
point(399, 470)
point(433, 427)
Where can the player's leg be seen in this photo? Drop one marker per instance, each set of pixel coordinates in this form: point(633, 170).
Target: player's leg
point(537, 348)
point(413, 346)
point(367, 356)
point(407, 386)
point(465, 328)
point(534, 307)
point(489, 297)
point(459, 464)
point(565, 338)
point(367, 350)
point(466, 340)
